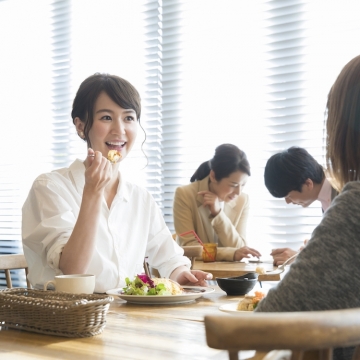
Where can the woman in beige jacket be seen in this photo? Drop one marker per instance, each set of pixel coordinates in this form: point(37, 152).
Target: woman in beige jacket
point(214, 206)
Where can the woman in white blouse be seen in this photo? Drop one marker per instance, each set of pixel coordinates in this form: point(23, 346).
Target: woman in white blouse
point(87, 218)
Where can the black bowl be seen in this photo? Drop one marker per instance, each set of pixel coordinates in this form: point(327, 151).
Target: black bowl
point(239, 285)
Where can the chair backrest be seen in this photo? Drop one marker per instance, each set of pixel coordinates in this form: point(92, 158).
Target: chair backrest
point(295, 331)
point(11, 262)
point(192, 252)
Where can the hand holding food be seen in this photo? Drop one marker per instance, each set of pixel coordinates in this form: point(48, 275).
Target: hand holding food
point(114, 156)
point(281, 255)
point(98, 171)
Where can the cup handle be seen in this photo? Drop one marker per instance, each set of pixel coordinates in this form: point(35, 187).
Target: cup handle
point(49, 282)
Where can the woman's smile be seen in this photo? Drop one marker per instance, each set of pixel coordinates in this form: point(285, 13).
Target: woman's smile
point(114, 128)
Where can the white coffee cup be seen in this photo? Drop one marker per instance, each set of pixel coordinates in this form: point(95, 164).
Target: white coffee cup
point(75, 284)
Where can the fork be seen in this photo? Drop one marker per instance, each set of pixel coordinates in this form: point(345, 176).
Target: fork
point(281, 268)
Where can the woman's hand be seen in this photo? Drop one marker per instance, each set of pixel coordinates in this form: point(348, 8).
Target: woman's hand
point(98, 171)
point(211, 201)
point(281, 255)
point(184, 276)
point(245, 252)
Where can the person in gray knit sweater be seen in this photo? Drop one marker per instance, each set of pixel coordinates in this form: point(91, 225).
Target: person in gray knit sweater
point(326, 274)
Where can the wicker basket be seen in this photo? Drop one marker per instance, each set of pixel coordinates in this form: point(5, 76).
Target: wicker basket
point(53, 313)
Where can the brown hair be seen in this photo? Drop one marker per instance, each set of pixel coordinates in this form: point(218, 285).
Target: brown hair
point(343, 126)
point(119, 90)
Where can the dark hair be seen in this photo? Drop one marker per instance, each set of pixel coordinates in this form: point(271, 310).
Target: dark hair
point(288, 170)
point(343, 126)
point(119, 90)
point(228, 158)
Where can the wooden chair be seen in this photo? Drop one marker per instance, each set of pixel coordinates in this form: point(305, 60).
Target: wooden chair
point(11, 262)
point(299, 332)
point(192, 252)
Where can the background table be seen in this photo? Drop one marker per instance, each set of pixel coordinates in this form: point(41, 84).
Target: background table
point(235, 268)
point(132, 332)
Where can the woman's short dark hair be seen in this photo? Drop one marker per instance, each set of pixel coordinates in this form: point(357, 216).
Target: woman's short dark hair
point(119, 90)
point(288, 170)
point(228, 158)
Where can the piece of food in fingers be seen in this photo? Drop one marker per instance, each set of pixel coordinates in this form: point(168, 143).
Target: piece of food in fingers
point(114, 156)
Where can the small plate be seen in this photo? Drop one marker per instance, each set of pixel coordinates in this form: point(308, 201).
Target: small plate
point(192, 293)
point(233, 308)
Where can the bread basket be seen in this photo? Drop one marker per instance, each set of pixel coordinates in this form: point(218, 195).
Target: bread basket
point(53, 313)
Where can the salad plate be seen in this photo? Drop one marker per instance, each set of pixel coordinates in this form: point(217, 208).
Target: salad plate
point(233, 308)
point(191, 293)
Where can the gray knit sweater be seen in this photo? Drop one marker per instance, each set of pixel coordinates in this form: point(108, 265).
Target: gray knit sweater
point(326, 274)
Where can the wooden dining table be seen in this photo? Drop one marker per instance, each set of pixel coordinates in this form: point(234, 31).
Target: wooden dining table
point(236, 268)
point(132, 332)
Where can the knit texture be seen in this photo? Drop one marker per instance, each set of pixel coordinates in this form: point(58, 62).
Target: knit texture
point(325, 275)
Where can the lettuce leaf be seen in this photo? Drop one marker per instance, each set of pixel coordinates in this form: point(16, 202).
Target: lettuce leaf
point(143, 285)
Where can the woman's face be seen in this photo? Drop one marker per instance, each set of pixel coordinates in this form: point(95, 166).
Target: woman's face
point(228, 188)
point(114, 128)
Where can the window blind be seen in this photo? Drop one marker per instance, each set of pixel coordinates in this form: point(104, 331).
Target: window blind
point(255, 74)
point(252, 74)
point(25, 92)
point(63, 135)
point(39, 135)
point(163, 100)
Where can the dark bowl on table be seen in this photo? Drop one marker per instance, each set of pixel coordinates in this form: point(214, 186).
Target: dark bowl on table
point(239, 285)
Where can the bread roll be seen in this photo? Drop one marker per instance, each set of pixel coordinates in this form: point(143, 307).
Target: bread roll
point(114, 156)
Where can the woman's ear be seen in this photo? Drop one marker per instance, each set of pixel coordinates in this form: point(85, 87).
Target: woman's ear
point(212, 176)
point(79, 125)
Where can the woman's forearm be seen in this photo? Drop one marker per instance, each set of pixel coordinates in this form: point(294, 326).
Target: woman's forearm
point(78, 251)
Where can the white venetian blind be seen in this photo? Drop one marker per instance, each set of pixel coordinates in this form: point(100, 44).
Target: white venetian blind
point(58, 44)
point(163, 115)
point(255, 74)
point(288, 117)
point(25, 98)
point(306, 44)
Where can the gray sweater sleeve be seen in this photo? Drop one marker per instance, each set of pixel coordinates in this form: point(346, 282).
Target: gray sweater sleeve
point(326, 274)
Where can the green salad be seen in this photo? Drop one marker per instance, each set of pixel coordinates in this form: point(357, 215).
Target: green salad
point(143, 285)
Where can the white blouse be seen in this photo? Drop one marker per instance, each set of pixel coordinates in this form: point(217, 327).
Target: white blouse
point(131, 230)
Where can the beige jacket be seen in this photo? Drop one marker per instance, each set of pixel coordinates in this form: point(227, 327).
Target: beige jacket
point(229, 224)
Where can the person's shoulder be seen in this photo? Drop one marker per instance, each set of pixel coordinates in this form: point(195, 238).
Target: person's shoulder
point(350, 194)
point(352, 186)
point(55, 177)
point(193, 186)
point(350, 191)
point(49, 176)
point(346, 204)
